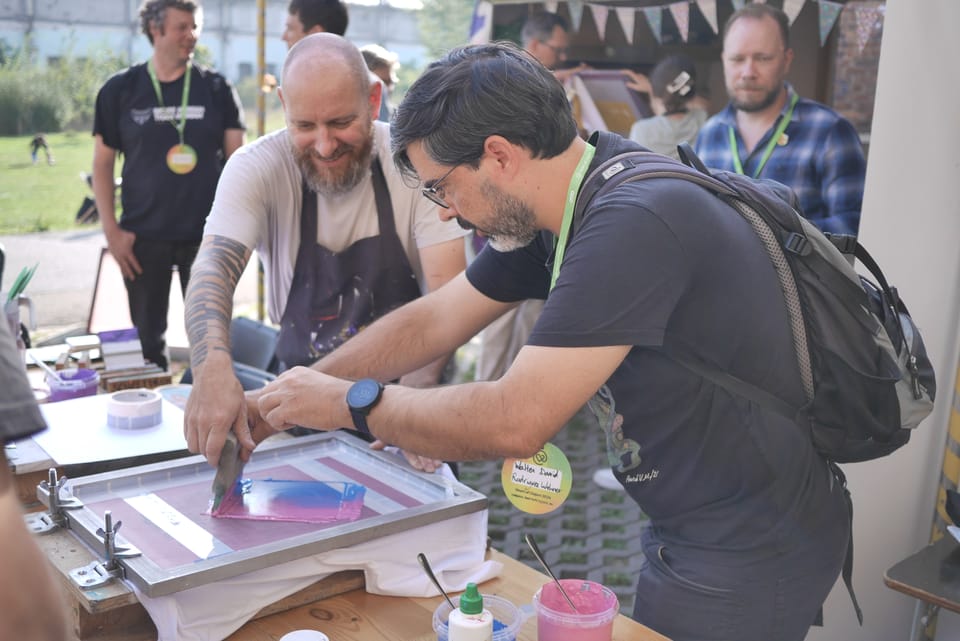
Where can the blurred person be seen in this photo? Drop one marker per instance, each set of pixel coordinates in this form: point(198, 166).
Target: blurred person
point(384, 65)
point(314, 16)
point(546, 37)
point(37, 143)
point(32, 603)
point(678, 109)
point(343, 240)
point(175, 123)
point(768, 131)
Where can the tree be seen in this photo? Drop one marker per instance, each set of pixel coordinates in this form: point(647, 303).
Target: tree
point(444, 24)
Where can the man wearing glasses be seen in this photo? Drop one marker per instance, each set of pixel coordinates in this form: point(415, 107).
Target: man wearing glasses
point(343, 239)
point(545, 37)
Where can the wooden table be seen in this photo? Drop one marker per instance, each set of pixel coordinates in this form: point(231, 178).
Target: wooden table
point(359, 616)
point(931, 575)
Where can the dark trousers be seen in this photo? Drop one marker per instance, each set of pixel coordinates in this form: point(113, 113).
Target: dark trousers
point(149, 293)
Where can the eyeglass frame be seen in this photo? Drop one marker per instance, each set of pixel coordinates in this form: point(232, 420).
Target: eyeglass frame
point(432, 194)
point(560, 52)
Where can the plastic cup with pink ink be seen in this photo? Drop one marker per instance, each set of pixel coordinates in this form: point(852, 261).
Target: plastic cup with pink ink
point(597, 607)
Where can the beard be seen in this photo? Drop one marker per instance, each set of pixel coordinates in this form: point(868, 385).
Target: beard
point(331, 182)
point(513, 224)
point(756, 105)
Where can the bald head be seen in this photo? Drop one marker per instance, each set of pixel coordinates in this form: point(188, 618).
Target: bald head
point(315, 56)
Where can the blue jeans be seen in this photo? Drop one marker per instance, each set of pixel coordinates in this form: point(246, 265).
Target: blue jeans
point(149, 293)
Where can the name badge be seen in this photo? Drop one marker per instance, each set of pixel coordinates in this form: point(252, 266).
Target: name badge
point(181, 159)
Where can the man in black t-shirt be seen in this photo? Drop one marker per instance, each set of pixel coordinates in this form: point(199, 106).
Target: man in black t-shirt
point(31, 606)
point(175, 123)
point(748, 529)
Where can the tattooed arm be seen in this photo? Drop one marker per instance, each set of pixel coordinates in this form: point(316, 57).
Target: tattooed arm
point(216, 404)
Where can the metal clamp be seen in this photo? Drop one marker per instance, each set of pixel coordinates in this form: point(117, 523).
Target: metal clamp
point(56, 517)
point(102, 572)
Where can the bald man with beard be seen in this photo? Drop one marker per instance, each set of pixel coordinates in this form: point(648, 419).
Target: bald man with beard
point(342, 238)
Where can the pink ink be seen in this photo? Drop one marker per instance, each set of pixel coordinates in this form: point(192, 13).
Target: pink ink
point(597, 607)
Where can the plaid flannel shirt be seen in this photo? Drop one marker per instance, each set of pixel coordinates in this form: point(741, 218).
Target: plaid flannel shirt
point(822, 161)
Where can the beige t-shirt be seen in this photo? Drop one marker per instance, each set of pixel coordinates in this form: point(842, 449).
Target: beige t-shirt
point(258, 204)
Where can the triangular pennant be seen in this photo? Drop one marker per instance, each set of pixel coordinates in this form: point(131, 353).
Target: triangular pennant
point(627, 17)
point(481, 27)
point(709, 10)
point(792, 8)
point(551, 5)
point(867, 18)
point(738, 4)
point(600, 13)
point(681, 15)
point(655, 20)
point(829, 11)
point(576, 13)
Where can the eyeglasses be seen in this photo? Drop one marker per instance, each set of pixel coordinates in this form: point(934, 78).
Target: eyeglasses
point(434, 193)
point(560, 51)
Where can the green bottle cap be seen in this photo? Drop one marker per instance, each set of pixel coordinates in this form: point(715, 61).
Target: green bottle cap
point(471, 601)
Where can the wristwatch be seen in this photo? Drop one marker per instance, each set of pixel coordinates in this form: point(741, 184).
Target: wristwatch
point(361, 398)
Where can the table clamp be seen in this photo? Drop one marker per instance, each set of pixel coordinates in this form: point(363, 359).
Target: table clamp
point(56, 517)
point(100, 573)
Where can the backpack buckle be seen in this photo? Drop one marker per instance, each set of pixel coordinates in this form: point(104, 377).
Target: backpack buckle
point(796, 243)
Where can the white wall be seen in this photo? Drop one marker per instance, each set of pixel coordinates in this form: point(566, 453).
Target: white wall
point(911, 224)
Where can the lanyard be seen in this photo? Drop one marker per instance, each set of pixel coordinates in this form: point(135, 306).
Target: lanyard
point(781, 127)
point(568, 207)
point(183, 101)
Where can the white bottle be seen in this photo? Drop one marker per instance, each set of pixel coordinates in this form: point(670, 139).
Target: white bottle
point(470, 622)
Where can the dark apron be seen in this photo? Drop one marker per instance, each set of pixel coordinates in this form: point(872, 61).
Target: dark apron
point(335, 295)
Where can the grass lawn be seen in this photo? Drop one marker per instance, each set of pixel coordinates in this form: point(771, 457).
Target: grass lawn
point(45, 197)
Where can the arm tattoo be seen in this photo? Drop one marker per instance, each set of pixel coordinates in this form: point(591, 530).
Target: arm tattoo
point(209, 306)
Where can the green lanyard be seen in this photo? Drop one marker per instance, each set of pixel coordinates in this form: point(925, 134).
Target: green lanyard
point(568, 207)
point(183, 101)
point(784, 121)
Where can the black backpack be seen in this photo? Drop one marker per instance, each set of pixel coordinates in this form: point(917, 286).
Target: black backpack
point(865, 372)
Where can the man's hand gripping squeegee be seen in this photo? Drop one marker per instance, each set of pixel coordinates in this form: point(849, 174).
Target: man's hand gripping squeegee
point(229, 469)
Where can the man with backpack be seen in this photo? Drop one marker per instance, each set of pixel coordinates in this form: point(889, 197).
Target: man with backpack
point(749, 526)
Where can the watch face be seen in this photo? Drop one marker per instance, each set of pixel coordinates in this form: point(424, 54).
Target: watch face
point(363, 393)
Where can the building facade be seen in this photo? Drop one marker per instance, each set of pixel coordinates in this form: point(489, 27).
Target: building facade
point(55, 28)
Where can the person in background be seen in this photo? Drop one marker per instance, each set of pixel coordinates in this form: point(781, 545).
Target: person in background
point(314, 16)
point(769, 131)
point(342, 238)
point(37, 143)
point(679, 112)
point(175, 123)
point(384, 65)
point(546, 37)
point(32, 607)
point(748, 525)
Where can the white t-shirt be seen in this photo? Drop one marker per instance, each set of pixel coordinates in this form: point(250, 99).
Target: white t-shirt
point(258, 204)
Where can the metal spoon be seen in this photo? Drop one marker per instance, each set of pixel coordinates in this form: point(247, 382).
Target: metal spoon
point(426, 567)
point(536, 552)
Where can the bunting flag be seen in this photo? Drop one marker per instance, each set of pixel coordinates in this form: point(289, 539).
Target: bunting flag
point(481, 26)
point(655, 20)
point(627, 17)
point(551, 5)
point(681, 15)
point(792, 8)
point(868, 18)
point(600, 13)
point(709, 10)
point(738, 4)
point(829, 11)
point(576, 13)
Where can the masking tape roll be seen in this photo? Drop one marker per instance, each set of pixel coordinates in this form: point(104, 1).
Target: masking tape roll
point(134, 409)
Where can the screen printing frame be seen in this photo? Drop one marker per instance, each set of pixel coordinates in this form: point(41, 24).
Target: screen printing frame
point(443, 498)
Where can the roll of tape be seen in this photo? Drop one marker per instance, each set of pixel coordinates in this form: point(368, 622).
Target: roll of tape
point(134, 409)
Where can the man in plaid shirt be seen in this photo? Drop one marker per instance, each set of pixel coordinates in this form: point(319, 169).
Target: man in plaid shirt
point(768, 131)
